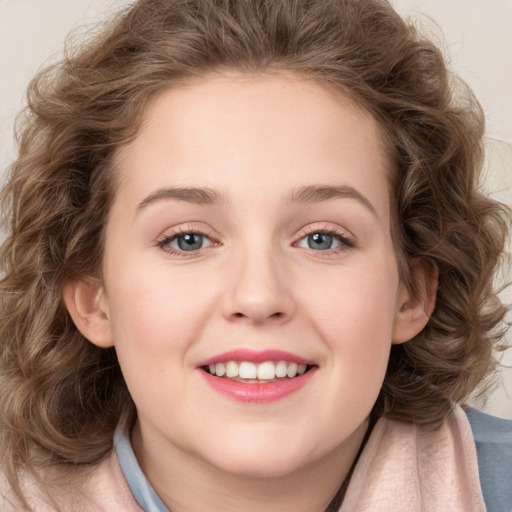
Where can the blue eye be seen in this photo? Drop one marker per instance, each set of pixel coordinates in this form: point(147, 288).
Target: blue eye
point(189, 242)
point(324, 241)
point(185, 242)
point(320, 241)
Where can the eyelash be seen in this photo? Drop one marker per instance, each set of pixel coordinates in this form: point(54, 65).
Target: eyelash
point(347, 242)
point(164, 243)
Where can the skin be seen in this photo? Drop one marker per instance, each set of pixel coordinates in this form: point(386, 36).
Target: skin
point(255, 284)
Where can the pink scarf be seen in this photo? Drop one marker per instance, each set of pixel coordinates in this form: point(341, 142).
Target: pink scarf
point(409, 469)
point(402, 468)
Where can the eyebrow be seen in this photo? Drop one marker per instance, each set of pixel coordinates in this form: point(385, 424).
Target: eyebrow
point(319, 193)
point(195, 195)
point(301, 195)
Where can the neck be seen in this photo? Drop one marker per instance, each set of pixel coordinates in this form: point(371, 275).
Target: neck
point(186, 483)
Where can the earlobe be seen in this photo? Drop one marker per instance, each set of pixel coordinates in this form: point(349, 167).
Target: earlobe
point(87, 305)
point(414, 306)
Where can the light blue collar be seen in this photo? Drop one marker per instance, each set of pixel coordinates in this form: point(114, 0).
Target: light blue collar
point(139, 486)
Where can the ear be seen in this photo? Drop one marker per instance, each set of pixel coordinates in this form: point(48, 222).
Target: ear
point(415, 304)
point(86, 302)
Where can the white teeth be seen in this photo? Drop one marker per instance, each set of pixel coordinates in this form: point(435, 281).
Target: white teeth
point(292, 370)
point(281, 369)
point(231, 369)
point(247, 370)
point(220, 369)
point(268, 370)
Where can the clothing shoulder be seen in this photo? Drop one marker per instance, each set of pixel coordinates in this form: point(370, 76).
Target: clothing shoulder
point(95, 488)
point(493, 440)
point(6, 500)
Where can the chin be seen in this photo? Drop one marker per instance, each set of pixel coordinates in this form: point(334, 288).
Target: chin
point(258, 460)
point(260, 469)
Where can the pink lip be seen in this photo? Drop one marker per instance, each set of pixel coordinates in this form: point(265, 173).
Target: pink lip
point(257, 392)
point(254, 356)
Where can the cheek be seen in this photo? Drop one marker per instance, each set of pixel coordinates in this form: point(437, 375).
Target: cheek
point(153, 325)
point(155, 310)
point(354, 314)
point(355, 300)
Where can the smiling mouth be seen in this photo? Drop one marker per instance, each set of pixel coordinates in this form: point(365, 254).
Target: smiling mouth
point(266, 371)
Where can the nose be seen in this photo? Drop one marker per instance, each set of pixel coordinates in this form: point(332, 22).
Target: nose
point(259, 291)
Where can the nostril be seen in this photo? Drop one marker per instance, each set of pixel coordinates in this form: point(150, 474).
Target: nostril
point(276, 315)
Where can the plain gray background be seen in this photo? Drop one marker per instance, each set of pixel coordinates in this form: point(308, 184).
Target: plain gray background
point(477, 38)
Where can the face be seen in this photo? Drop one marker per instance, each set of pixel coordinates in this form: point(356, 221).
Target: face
point(250, 284)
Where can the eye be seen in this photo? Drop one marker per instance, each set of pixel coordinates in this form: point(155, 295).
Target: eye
point(185, 242)
point(325, 241)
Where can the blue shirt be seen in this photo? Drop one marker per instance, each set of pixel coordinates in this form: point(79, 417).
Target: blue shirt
point(139, 486)
point(493, 440)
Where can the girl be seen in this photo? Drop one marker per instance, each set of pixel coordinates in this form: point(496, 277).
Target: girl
point(248, 267)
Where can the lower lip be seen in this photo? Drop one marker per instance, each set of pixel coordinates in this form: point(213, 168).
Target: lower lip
point(257, 392)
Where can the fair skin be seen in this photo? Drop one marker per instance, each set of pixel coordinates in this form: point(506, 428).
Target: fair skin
point(285, 246)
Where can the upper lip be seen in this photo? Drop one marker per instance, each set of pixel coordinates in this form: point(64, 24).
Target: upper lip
point(255, 356)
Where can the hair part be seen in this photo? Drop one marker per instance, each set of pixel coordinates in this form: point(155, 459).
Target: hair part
point(61, 397)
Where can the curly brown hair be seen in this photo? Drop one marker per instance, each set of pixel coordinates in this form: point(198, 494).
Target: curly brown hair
point(61, 397)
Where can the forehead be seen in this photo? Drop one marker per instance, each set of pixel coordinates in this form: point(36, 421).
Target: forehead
point(232, 131)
